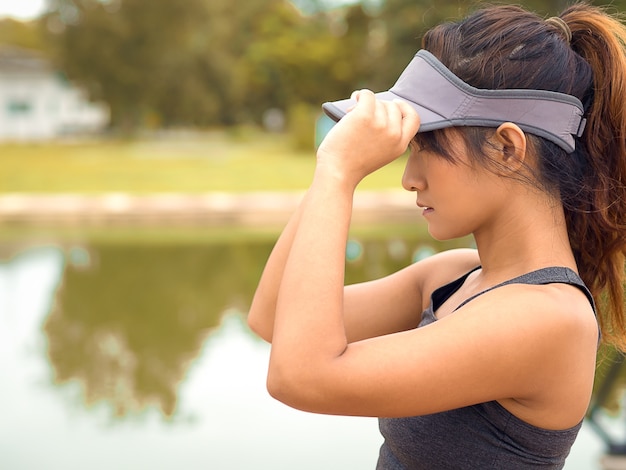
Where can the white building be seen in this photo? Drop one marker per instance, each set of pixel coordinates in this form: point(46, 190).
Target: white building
point(37, 103)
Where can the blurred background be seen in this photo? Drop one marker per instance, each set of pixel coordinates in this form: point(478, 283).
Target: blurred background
point(150, 153)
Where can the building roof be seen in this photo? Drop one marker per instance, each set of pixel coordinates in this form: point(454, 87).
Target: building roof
point(24, 61)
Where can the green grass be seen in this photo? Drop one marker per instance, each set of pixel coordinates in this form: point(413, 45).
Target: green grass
point(244, 161)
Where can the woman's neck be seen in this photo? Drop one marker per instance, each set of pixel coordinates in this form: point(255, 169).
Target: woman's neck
point(525, 238)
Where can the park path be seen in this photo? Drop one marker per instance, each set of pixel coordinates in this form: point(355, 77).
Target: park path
point(209, 209)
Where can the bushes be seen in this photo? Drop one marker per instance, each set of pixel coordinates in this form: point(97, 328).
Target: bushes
point(301, 119)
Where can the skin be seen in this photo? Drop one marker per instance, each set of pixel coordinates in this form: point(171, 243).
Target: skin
point(355, 350)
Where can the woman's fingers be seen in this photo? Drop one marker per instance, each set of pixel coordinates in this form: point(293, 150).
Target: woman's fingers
point(388, 113)
point(372, 134)
point(394, 113)
point(410, 119)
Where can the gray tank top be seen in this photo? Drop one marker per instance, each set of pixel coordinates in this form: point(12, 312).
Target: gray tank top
point(482, 436)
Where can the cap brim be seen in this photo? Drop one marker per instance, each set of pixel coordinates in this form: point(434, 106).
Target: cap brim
point(429, 120)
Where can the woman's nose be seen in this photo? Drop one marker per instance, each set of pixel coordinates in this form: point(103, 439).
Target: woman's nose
point(412, 179)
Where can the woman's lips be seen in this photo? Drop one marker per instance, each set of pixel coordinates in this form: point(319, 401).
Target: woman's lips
point(426, 209)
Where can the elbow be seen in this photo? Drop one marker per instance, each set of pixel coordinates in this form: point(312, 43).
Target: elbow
point(301, 387)
point(261, 328)
point(288, 389)
point(274, 386)
point(288, 384)
point(277, 382)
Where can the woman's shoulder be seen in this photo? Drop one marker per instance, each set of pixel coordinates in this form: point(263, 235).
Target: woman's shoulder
point(547, 301)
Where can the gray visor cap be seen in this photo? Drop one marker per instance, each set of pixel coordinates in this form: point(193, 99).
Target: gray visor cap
point(443, 100)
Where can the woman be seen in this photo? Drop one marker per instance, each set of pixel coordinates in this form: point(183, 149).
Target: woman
point(471, 358)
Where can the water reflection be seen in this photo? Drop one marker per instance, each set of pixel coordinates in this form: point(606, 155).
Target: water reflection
point(152, 365)
point(128, 324)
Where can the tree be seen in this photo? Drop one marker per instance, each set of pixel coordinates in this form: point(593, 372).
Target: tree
point(123, 52)
point(21, 34)
point(219, 62)
point(306, 59)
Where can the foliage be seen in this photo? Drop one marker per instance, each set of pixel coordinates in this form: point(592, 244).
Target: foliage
point(126, 52)
point(202, 63)
point(303, 59)
point(21, 34)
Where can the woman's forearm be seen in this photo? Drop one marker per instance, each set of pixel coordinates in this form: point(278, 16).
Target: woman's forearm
point(308, 324)
point(263, 307)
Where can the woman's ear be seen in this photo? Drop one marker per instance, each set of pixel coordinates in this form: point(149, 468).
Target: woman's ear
point(512, 140)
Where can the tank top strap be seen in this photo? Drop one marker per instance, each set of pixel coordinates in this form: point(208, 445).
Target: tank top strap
point(549, 275)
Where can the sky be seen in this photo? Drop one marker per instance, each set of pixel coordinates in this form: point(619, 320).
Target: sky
point(21, 9)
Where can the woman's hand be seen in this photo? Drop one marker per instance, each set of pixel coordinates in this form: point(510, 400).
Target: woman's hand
point(371, 135)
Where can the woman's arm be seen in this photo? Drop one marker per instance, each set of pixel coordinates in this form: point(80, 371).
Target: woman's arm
point(263, 307)
point(309, 318)
point(365, 305)
point(395, 302)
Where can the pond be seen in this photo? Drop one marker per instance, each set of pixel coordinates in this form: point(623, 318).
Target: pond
point(129, 355)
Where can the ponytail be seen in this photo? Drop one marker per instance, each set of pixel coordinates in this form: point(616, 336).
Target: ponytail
point(597, 225)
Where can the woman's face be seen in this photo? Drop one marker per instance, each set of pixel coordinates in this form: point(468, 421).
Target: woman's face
point(457, 198)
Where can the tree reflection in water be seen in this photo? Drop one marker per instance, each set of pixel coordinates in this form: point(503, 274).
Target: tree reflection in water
point(128, 320)
point(128, 325)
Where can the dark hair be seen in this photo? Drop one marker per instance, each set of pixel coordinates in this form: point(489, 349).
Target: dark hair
point(509, 47)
